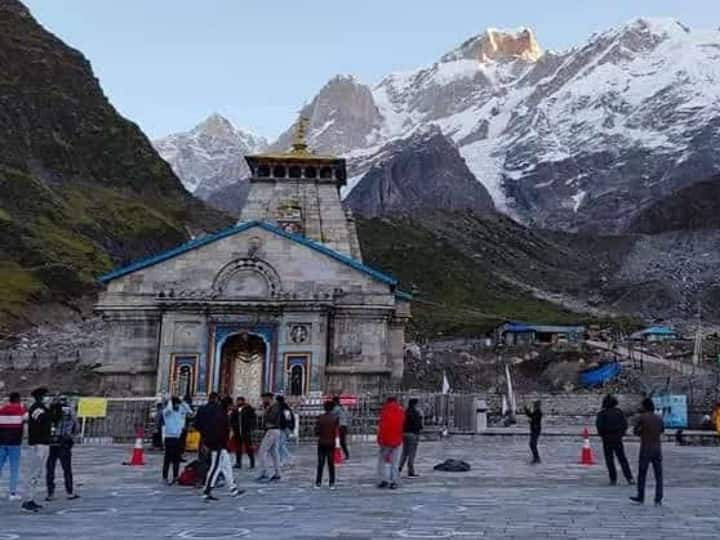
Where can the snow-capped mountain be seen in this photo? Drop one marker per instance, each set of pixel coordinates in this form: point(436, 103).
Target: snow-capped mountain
point(580, 139)
point(211, 155)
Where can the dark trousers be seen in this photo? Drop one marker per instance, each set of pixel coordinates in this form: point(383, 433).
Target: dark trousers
point(343, 441)
point(646, 458)
point(409, 451)
point(325, 453)
point(613, 448)
point(244, 441)
point(64, 454)
point(173, 454)
point(533, 447)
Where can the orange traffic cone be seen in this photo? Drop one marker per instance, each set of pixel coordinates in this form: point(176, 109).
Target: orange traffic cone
point(137, 458)
point(586, 457)
point(338, 456)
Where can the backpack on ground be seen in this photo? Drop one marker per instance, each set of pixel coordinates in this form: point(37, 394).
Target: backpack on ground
point(189, 476)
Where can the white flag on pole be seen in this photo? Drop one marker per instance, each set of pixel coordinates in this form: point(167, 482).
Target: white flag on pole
point(446, 384)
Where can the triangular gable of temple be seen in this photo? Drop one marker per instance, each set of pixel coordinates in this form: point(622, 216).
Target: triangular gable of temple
point(280, 302)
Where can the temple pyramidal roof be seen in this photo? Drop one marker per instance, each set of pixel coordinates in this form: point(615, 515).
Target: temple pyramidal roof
point(299, 150)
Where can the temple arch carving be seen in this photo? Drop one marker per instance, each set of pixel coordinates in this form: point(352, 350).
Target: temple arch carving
point(247, 278)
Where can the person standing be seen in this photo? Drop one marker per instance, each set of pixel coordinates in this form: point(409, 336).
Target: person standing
point(650, 428)
point(411, 437)
point(174, 418)
point(65, 427)
point(287, 430)
point(326, 429)
point(12, 416)
point(390, 439)
point(215, 433)
point(535, 417)
point(270, 445)
point(39, 431)
point(243, 422)
point(343, 417)
point(611, 425)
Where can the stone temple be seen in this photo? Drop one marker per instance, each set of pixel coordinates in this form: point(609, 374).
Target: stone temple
point(281, 302)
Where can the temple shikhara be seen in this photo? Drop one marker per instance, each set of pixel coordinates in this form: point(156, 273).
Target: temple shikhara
point(282, 301)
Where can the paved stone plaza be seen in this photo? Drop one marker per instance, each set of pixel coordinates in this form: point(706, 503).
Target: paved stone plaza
point(502, 497)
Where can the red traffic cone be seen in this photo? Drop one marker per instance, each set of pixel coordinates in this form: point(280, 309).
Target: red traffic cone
point(137, 458)
point(338, 456)
point(586, 456)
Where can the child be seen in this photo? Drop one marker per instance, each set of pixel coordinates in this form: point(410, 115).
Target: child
point(326, 429)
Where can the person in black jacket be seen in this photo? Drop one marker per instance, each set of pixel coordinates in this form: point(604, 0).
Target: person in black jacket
point(611, 425)
point(411, 437)
point(243, 422)
point(214, 427)
point(39, 436)
point(535, 417)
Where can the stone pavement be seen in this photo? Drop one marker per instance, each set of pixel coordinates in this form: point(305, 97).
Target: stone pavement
point(502, 497)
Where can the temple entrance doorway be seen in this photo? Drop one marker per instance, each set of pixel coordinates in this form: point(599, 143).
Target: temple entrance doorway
point(241, 373)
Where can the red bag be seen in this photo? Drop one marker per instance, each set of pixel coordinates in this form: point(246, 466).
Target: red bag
point(188, 477)
point(232, 445)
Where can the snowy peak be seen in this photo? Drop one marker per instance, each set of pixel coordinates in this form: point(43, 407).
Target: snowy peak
point(341, 115)
point(496, 45)
point(211, 155)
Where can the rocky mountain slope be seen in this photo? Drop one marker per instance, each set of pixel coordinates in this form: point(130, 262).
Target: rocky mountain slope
point(426, 172)
point(697, 207)
point(81, 188)
point(211, 155)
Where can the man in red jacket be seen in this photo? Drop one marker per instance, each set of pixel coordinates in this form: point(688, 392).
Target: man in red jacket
point(12, 416)
point(390, 439)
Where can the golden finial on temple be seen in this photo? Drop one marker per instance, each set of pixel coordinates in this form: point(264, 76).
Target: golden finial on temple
point(299, 145)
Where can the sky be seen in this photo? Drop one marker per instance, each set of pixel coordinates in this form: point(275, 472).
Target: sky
point(168, 64)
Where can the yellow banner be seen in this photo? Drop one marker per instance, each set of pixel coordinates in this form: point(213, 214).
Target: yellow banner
point(92, 407)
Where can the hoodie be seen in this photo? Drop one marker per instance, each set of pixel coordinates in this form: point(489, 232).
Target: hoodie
point(390, 425)
point(39, 424)
point(12, 416)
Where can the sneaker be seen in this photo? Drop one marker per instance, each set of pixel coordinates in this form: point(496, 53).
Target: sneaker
point(30, 506)
point(14, 497)
point(275, 478)
point(236, 492)
point(171, 482)
point(317, 486)
point(413, 475)
point(383, 484)
point(73, 496)
point(207, 497)
point(637, 500)
point(332, 487)
point(393, 485)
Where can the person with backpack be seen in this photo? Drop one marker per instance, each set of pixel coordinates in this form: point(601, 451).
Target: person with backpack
point(269, 447)
point(65, 427)
point(243, 422)
point(287, 430)
point(215, 432)
point(39, 434)
point(390, 440)
point(326, 430)
point(343, 417)
point(611, 425)
point(174, 418)
point(12, 417)
point(411, 437)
